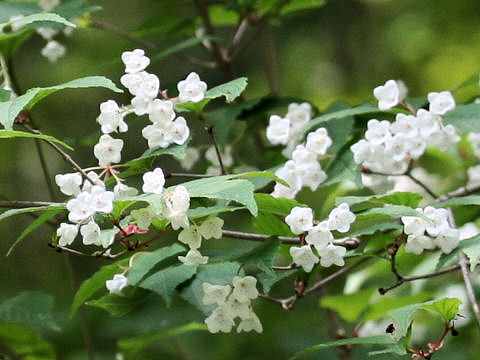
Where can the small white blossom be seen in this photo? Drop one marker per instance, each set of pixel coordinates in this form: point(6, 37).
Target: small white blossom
point(390, 94)
point(215, 294)
point(251, 323)
point(46, 32)
point(66, 234)
point(414, 225)
point(319, 236)
point(237, 308)
point(161, 111)
point(300, 219)
point(153, 181)
point(417, 243)
point(69, 183)
point(211, 228)
point(473, 174)
point(156, 135)
point(299, 114)
point(303, 158)
point(14, 24)
point(111, 118)
point(427, 122)
point(441, 102)
point(378, 131)
point(190, 236)
point(405, 125)
point(135, 61)
point(445, 137)
point(304, 257)
point(332, 254)
point(108, 150)
point(341, 218)
point(176, 204)
point(312, 176)
point(244, 288)
point(178, 131)
point(122, 191)
point(278, 130)
point(290, 174)
point(91, 234)
point(192, 88)
point(101, 200)
point(149, 86)
point(362, 151)
point(53, 50)
point(318, 141)
point(79, 208)
point(193, 257)
point(439, 218)
point(116, 285)
point(219, 320)
point(133, 81)
point(92, 175)
point(447, 240)
point(141, 105)
point(191, 157)
point(48, 5)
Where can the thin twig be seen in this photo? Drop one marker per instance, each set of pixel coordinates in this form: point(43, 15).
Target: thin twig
point(211, 130)
point(421, 184)
point(461, 191)
point(19, 204)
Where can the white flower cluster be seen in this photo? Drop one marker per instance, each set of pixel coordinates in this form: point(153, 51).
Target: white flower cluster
point(424, 235)
point(388, 147)
point(303, 168)
point(192, 236)
point(166, 128)
point(233, 301)
point(319, 236)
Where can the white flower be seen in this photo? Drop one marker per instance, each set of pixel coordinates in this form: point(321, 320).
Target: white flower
point(340, 218)
point(378, 131)
point(108, 150)
point(141, 105)
point(414, 225)
point(122, 191)
point(319, 236)
point(15, 26)
point(389, 94)
point(135, 61)
point(428, 123)
point(161, 111)
point(417, 243)
point(66, 234)
point(332, 254)
point(227, 159)
point(176, 206)
point(300, 219)
point(398, 146)
point(278, 130)
point(111, 118)
point(149, 86)
point(116, 285)
point(215, 294)
point(237, 308)
point(299, 114)
point(439, 218)
point(405, 125)
point(53, 50)
point(318, 141)
point(244, 289)
point(303, 158)
point(87, 185)
point(251, 323)
point(80, 208)
point(473, 174)
point(133, 81)
point(46, 32)
point(447, 240)
point(178, 131)
point(91, 234)
point(416, 147)
point(445, 137)
point(192, 88)
point(474, 138)
point(191, 157)
point(69, 183)
point(156, 135)
point(290, 174)
point(101, 200)
point(304, 257)
point(219, 320)
point(153, 181)
point(362, 151)
point(468, 230)
point(193, 257)
point(48, 5)
point(191, 237)
point(312, 176)
point(211, 228)
point(441, 103)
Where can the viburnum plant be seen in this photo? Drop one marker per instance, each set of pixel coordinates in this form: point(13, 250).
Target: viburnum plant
point(387, 208)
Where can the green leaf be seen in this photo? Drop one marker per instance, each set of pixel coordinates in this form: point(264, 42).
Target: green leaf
point(270, 224)
point(359, 110)
point(13, 212)
point(118, 305)
point(165, 281)
point(260, 174)
point(271, 278)
point(218, 274)
point(262, 255)
point(343, 168)
point(95, 283)
point(200, 211)
point(394, 211)
point(34, 225)
point(5, 95)
point(39, 17)
point(278, 206)
point(470, 247)
point(6, 134)
point(132, 345)
point(9, 9)
point(26, 342)
point(379, 309)
point(369, 340)
point(75, 8)
point(9, 110)
point(358, 203)
point(465, 118)
point(372, 229)
point(223, 187)
point(458, 201)
point(146, 261)
point(349, 306)
point(32, 308)
point(447, 308)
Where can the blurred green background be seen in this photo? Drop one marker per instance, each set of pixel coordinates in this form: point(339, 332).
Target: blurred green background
point(340, 51)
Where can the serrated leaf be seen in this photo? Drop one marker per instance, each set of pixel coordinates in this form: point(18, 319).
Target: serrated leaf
point(262, 255)
point(7, 134)
point(9, 110)
point(120, 304)
point(218, 274)
point(32, 308)
point(96, 282)
point(49, 17)
point(134, 344)
point(165, 281)
point(349, 306)
point(144, 262)
point(369, 340)
point(447, 308)
point(34, 225)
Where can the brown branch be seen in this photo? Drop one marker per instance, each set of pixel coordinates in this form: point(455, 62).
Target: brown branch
point(461, 191)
